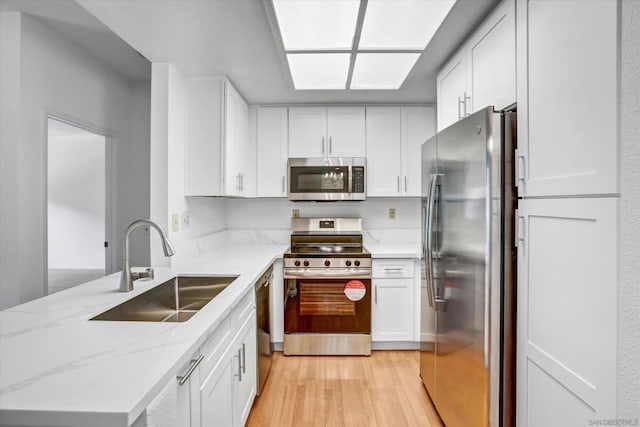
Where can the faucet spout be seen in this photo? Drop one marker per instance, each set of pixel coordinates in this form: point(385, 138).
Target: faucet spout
point(126, 278)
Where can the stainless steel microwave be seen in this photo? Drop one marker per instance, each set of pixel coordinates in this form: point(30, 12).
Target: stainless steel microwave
point(327, 179)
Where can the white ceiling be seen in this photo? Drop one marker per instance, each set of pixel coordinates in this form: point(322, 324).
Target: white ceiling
point(231, 37)
point(73, 22)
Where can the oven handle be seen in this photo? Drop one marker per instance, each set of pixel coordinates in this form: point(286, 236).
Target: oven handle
point(362, 273)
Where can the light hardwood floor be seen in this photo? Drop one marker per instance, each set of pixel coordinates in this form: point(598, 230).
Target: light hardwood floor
point(381, 390)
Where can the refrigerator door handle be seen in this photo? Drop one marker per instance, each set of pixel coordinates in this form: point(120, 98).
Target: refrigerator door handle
point(425, 254)
point(431, 289)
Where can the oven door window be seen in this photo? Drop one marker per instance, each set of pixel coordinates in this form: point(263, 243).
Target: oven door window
point(320, 179)
point(320, 306)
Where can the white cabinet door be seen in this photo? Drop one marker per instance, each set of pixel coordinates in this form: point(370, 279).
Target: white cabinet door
point(216, 398)
point(491, 61)
point(418, 124)
point(271, 152)
point(307, 132)
point(451, 91)
point(346, 132)
point(245, 386)
point(235, 143)
point(567, 97)
point(567, 300)
point(204, 134)
point(392, 315)
point(384, 157)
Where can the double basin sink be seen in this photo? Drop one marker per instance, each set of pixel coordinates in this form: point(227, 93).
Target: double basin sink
point(176, 300)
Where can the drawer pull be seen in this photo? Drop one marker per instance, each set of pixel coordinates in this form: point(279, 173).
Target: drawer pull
point(182, 379)
point(393, 268)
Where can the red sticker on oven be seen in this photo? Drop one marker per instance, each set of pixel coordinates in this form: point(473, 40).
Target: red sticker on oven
point(355, 290)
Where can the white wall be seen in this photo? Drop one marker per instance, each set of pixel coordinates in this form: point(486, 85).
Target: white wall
point(54, 75)
point(629, 222)
point(276, 213)
point(168, 121)
point(76, 199)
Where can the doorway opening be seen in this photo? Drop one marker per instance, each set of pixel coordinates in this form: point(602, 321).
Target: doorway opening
point(76, 205)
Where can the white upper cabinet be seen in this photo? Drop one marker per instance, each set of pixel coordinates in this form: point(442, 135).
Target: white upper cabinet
point(418, 124)
point(346, 132)
point(567, 97)
point(326, 132)
point(394, 139)
point(483, 71)
point(204, 136)
point(271, 145)
point(219, 160)
point(238, 167)
point(307, 131)
point(384, 160)
point(451, 91)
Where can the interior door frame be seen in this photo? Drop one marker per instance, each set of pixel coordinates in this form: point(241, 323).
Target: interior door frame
point(110, 205)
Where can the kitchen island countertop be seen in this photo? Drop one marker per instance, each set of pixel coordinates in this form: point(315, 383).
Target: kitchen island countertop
point(59, 368)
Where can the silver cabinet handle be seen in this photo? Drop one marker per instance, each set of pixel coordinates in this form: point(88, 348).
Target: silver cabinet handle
point(330, 145)
point(405, 183)
point(182, 379)
point(519, 229)
point(244, 361)
point(393, 268)
point(460, 103)
point(467, 112)
point(238, 182)
point(282, 184)
point(241, 182)
point(376, 294)
point(519, 169)
point(323, 145)
point(398, 182)
point(239, 374)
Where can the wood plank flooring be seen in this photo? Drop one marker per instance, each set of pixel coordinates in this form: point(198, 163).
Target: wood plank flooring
point(381, 390)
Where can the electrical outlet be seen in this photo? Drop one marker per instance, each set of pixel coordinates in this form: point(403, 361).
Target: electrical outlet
point(295, 213)
point(185, 219)
point(175, 222)
point(392, 213)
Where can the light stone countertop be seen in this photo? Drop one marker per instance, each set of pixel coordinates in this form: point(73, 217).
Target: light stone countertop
point(59, 368)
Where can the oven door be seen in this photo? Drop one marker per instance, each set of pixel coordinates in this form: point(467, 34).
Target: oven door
point(317, 305)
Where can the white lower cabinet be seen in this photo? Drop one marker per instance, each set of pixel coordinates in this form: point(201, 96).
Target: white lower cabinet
point(567, 311)
point(392, 307)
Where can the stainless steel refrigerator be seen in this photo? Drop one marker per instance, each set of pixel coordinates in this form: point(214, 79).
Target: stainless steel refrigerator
point(468, 270)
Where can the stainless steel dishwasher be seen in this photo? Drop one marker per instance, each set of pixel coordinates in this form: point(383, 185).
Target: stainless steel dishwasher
point(264, 335)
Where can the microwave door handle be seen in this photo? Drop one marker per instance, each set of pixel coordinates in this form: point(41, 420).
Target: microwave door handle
point(350, 179)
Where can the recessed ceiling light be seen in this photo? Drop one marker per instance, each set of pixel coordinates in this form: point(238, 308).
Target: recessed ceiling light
point(382, 70)
point(402, 24)
point(317, 24)
point(319, 70)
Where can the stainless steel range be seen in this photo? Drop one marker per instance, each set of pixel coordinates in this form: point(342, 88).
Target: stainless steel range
point(327, 274)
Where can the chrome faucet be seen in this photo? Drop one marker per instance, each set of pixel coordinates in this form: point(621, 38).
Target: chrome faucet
point(127, 277)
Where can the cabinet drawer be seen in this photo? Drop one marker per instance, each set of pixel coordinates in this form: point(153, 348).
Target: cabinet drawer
point(215, 346)
point(384, 268)
point(243, 310)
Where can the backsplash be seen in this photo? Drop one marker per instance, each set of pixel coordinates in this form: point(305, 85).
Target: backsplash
point(261, 214)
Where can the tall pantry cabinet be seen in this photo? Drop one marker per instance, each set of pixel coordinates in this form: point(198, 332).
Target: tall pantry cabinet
point(566, 232)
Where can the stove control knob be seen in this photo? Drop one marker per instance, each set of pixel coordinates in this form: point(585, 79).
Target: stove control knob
point(357, 263)
point(297, 263)
point(348, 263)
point(327, 263)
point(306, 263)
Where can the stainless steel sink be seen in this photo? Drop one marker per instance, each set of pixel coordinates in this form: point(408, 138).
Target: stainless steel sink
point(175, 300)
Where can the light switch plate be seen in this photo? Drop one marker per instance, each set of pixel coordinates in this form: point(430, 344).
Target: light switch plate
point(175, 222)
point(295, 213)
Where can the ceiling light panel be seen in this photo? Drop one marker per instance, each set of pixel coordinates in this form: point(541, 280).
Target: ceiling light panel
point(402, 24)
point(319, 70)
point(382, 70)
point(317, 24)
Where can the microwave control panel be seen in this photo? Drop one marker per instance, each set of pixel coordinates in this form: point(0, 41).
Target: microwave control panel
point(358, 179)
